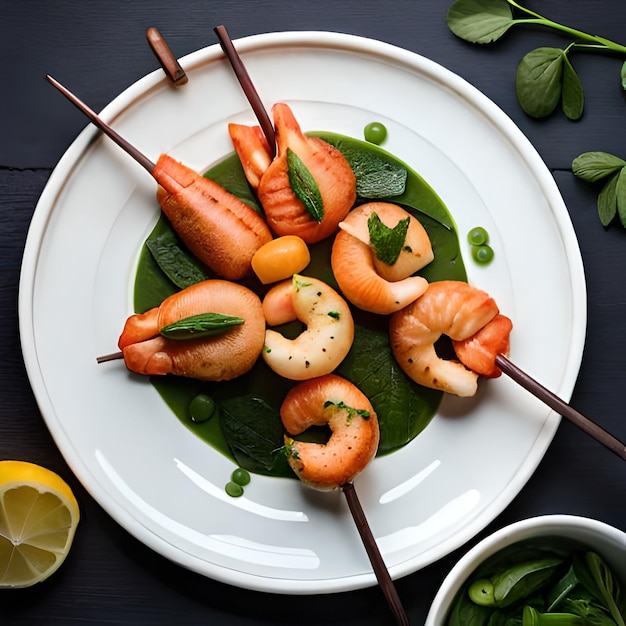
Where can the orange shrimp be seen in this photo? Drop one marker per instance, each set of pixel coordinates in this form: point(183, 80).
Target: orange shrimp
point(218, 228)
point(339, 404)
point(252, 149)
point(479, 351)
point(285, 212)
point(219, 357)
point(365, 280)
point(448, 307)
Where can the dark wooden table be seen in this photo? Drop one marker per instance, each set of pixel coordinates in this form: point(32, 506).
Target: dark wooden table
point(99, 48)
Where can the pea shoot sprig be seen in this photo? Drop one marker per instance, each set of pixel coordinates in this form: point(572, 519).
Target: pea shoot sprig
point(545, 76)
point(609, 172)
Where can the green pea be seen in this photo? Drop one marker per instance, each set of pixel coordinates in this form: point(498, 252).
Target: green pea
point(481, 592)
point(240, 476)
point(482, 254)
point(233, 490)
point(201, 408)
point(375, 133)
point(478, 236)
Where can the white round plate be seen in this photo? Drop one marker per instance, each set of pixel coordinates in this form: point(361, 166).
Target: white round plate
point(166, 486)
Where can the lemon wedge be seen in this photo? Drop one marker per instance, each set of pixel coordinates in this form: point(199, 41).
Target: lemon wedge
point(38, 519)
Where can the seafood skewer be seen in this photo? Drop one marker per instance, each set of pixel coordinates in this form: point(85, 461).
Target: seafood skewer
point(334, 401)
point(217, 227)
point(480, 337)
point(369, 542)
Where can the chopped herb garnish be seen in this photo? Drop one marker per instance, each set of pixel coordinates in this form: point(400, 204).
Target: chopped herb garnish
point(335, 314)
point(365, 414)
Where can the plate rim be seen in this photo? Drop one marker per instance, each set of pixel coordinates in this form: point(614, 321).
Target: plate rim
point(154, 79)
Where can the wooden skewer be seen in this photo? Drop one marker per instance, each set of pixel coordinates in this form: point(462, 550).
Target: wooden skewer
point(248, 86)
point(561, 407)
point(165, 57)
point(141, 158)
point(380, 569)
point(369, 542)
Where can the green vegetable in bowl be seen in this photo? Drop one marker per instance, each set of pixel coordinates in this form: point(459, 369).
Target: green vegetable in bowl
point(533, 584)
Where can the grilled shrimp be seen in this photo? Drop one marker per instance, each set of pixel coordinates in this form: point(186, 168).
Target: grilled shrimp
point(285, 212)
point(337, 403)
point(329, 332)
point(448, 307)
point(219, 357)
point(365, 280)
point(218, 228)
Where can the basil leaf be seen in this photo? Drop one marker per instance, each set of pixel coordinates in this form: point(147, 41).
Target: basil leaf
point(593, 166)
point(539, 81)
point(607, 201)
point(304, 186)
point(181, 268)
point(386, 242)
point(573, 94)
point(404, 408)
point(253, 431)
point(623, 76)
point(480, 21)
point(521, 581)
point(620, 196)
point(201, 325)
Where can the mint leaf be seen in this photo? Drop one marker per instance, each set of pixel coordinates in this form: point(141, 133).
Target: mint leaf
point(304, 186)
point(201, 325)
point(387, 242)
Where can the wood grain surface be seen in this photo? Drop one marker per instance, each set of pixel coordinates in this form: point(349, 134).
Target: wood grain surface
point(99, 48)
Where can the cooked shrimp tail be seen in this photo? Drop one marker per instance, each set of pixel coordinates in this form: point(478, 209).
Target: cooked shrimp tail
point(451, 308)
point(333, 401)
point(479, 351)
point(252, 149)
point(219, 357)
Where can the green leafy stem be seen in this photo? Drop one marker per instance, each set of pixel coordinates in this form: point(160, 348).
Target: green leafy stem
point(545, 76)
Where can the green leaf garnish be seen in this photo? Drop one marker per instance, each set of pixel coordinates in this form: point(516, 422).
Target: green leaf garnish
point(201, 325)
point(376, 176)
point(181, 268)
point(573, 102)
point(304, 186)
point(539, 81)
point(387, 243)
point(253, 431)
point(593, 166)
point(539, 84)
point(479, 21)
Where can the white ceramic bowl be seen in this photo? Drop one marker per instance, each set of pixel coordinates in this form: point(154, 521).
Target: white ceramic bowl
point(607, 541)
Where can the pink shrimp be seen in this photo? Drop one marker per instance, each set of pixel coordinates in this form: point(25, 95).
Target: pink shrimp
point(220, 357)
point(365, 280)
point(333, 401)
point(453, 308)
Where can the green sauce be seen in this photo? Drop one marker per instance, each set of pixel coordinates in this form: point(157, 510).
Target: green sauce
point(404, 408)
